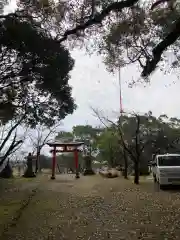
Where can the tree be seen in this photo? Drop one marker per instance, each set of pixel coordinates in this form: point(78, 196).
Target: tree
point(114, 129)
point(84, 19)
point(109, 148)
point(10, 139)
point(134, 144)
point(40, 137)
point(134, 37)
point(88, 135)
point(139, 136)
point(34, 70)
point(130, 141)
point(34, 73)
point(122, 30)
point(65, 136)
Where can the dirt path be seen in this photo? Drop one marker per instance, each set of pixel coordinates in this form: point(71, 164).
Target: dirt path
point(96, 208)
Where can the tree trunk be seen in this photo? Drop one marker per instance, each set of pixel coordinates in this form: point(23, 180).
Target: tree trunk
point(37, 161)
point(125, 165)
point(7, 172)
point(136, 172)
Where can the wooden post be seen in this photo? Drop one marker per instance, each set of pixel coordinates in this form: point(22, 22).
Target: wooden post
point(53, 163)
point(76, 162)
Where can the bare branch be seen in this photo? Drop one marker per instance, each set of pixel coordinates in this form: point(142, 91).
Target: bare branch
point(11, 148)
point(97, 114)
point(42, 137)
point(117, 127)
point(10, 132)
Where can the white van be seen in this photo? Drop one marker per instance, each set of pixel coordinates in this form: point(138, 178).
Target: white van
point(166, 169)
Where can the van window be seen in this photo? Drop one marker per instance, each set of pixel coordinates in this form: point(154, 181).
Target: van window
point(169, 160)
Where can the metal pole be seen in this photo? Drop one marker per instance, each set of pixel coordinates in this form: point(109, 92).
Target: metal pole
point(120, 118)
point(120, 91)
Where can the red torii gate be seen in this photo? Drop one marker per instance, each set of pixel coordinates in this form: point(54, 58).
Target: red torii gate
point(64, 147)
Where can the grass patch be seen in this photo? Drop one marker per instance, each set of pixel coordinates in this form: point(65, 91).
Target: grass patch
point(12, 194)
point(7, 211)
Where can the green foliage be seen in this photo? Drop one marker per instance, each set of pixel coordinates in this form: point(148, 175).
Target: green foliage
point(122, 32)
point(109, 147)
point(65, 136)
point(88, 135)
point(131, 36)
point(85, 131)
point(34, 73)
point(156, 135)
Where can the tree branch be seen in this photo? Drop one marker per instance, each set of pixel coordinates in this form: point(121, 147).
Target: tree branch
point(99, 17)
point(10, 132)
point(98, 116)
point(13, 145)
point(157, 52)
point(120, 133)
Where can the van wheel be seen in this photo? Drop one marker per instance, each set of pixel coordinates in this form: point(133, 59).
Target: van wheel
point(161, 187)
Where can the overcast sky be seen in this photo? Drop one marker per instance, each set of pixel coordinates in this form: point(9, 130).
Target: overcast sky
point(94, 86)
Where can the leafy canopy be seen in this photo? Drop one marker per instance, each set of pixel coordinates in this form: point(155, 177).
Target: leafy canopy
point(35, 66)
point(34, 73)
point(123, 31)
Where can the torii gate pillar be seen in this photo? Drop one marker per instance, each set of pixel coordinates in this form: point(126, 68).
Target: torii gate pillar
point(76, 163)
point(53, 163)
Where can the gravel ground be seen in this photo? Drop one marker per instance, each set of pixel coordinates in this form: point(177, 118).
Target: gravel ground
point(96, 208)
